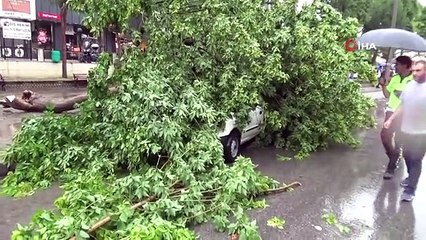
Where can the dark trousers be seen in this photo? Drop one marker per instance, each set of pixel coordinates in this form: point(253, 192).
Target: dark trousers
point(414, 151)
point(391, 141)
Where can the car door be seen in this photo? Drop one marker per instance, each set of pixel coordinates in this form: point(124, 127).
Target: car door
point(253, 128)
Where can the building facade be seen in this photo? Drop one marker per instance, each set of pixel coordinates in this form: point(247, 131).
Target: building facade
point(31, 29)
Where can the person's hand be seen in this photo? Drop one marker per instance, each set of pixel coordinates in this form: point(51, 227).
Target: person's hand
point(397, 93)
point(387, 124)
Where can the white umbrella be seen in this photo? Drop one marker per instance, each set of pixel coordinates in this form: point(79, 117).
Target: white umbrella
point(393, 38)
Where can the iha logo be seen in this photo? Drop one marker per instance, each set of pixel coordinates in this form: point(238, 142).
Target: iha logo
point(352, 45)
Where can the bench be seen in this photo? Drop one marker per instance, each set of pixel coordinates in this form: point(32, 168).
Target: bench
point(2, 83)
point(80, 77)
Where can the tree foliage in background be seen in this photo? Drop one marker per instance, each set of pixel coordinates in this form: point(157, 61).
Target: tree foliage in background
point(204, 60)
point(377, 14)
point(420, 22)
point(359, 9)
point(381, 14)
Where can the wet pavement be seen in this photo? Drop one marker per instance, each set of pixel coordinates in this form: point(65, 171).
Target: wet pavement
point(344, 181)
point(10, 119)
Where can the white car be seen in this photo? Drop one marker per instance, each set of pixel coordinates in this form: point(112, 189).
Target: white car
point(233, 136)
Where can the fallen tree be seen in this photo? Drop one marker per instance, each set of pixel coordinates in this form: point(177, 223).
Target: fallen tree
point(203, 62)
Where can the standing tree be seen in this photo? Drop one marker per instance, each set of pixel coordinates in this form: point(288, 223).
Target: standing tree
point(63, 7)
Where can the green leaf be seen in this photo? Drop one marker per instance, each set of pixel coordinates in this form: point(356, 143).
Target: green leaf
point(276, 222)
point(283, 158)
point(343, 228)
point(83, 234)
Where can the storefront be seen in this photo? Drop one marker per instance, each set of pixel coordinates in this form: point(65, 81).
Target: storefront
point(31, 29)
point(16, 28)
point(49, 31)
point(48, 23)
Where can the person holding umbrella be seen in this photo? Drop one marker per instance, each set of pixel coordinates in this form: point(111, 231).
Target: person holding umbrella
point(412, 112)
point(392, 91)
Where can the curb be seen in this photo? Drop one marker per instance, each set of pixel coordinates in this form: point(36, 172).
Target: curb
point(371, 89)
point(367, 85)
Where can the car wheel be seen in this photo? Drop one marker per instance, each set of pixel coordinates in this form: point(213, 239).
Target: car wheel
point(232, 147)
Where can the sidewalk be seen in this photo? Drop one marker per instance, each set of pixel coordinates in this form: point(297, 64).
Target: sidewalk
point(23, 70)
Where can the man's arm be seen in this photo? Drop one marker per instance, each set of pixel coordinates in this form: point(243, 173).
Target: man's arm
point(385, 91)
point(388, 85)
point(396, 114)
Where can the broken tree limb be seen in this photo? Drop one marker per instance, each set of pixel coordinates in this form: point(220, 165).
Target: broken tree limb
point(284, 188)
point(38, 106)
point(107, 219)
point(177, 188)
point(29, 102)
point(138, 205)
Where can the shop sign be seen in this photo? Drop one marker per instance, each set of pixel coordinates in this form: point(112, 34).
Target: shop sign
point(19, 9)
point(50, 16)
point(16, 30)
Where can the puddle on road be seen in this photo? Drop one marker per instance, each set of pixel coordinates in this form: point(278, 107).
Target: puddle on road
point(9, 125)
point(7, 131)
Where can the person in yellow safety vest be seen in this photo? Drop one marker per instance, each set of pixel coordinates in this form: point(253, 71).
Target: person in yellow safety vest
point(392, 90)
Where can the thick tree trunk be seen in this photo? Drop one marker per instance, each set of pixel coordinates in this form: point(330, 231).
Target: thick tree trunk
point(38, 106)
point(29, 102)
point(64, 10)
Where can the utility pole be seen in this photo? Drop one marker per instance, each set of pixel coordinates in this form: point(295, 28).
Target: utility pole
point(393, 25)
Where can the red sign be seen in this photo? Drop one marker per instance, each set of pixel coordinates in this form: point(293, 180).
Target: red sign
point(51, 16)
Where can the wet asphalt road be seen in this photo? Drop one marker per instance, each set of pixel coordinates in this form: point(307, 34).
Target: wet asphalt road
point(344, 181)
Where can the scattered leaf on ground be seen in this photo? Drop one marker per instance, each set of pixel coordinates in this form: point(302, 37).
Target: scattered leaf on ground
point(343, 228)
point(276, 222)
point(331, 219)
point(260, 204)
point(283, 158)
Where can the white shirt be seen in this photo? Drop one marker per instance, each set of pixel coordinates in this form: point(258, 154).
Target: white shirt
point(413, 101)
